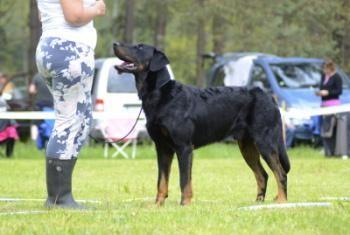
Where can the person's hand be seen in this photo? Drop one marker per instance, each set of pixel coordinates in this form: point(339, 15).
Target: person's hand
point(322, 93)
point(100, 7)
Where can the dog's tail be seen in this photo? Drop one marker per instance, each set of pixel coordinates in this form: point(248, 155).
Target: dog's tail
point(283, 156)
point(282, 152)
point(264, 100)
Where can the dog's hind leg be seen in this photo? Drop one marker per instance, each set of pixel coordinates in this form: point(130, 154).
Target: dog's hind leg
point(184, 155)
point(251, 156)
point(274, 163)
point(165, 157)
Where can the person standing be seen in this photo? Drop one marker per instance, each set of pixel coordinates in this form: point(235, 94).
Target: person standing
point(65, 58)
point(43, 101)
point(331, 88)
point(41, 93)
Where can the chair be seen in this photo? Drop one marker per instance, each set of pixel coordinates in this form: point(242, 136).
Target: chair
point(45, 128)
point(114, 130)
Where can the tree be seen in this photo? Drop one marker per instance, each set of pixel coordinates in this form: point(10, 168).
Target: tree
point(218, 30)
point(160, 25)
point(129, 21)
point(201, 44)
point(34, 35)
point(187, 28)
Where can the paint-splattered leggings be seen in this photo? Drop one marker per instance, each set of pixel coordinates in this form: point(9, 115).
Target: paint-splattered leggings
point(68, 69)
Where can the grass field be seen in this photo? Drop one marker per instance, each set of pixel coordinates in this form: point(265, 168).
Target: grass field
point(222, 184)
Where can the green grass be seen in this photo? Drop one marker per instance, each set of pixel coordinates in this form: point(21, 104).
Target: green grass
point(221, 180)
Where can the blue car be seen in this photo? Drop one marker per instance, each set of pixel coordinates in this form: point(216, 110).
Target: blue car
point(293, 81)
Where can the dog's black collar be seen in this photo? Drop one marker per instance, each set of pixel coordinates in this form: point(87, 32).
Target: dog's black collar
point(161, 77)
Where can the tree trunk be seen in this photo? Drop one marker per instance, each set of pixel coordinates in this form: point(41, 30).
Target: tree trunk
point(34, 35)
point(160, 30)
point(129, 21)
point(346, 39)
point(201, 42)
point(218, 34)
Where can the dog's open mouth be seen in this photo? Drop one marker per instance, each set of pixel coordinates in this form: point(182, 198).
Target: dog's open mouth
point(126, 66)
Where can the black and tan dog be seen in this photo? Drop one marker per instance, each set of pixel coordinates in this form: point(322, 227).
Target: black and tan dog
point(181, 118)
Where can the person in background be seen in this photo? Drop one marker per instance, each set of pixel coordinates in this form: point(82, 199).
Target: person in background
point(43, 101)
point(8, 127)
point(41, 93)
point(65, 58)
point(5, 85)
point(330, 89)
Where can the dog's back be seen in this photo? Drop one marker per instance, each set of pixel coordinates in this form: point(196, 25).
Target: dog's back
point(215, 113)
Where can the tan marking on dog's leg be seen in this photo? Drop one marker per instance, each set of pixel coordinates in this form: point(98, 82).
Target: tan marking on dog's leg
point(164, 167)
point(252, 158)
point(185, 168)
point(162, 193)
point(187, 194)
point(281, 177)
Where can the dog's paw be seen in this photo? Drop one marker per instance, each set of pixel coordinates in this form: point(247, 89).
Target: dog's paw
point(280, 199)
point(160, 201)
point(185, 202)
point(260, 198)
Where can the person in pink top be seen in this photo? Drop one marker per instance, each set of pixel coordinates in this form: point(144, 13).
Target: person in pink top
point(331, 88)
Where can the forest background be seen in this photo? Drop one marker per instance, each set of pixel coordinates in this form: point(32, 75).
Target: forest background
point(186, 29)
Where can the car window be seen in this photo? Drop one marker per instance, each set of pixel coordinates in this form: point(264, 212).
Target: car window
point(297, 75)
point(118, 83)
point(259, 78)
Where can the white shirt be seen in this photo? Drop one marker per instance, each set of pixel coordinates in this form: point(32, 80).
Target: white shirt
point(55, 25)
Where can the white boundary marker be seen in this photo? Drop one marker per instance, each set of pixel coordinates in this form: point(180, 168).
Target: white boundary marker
point(22, 213)
point(336, 198)
point(286, 205)
point(139, 199)
point(37, 199)
point(208, 200)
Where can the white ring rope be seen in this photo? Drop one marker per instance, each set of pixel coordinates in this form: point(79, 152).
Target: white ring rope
point(39, 115)
point(295, 113)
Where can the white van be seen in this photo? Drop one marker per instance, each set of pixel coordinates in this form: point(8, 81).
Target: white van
point(115, 93)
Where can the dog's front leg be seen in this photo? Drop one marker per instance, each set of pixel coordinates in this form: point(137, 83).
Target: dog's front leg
point(184, 155)
point(165, 158)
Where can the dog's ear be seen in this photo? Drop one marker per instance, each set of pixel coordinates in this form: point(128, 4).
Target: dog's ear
point(158, 61)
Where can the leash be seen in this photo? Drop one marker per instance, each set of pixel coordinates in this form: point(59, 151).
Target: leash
point(123, 138)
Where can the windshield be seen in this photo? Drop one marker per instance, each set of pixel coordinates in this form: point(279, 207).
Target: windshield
point(120, 83)
point(297, 75)
point(301, 75)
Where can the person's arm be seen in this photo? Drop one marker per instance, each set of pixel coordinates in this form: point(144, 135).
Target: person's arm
point(336, 89)
point(76, 14)
point(338, 86)
point(321, 92)
point(32, 89)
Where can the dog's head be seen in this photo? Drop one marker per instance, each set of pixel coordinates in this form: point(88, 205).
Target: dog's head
point(139, 58)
